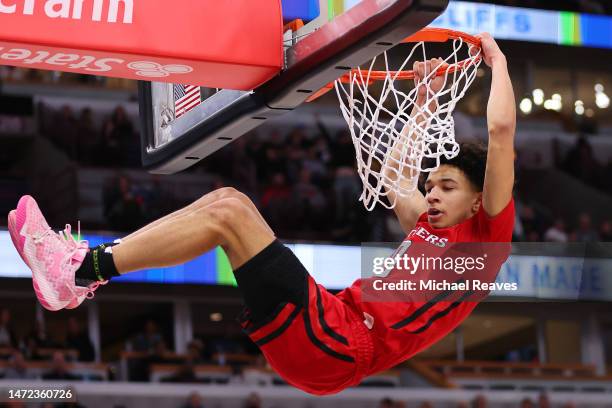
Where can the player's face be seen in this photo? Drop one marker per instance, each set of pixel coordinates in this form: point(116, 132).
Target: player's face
point(451, 198)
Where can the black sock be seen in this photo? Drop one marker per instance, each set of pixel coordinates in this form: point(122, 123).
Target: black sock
point(98, 265)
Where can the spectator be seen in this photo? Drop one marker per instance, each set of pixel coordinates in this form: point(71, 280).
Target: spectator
point(253, 401)
point(157, 198)
point(273, 159)
point(527, 403)
point(88, 136)
point(118, 142)
point(123, 206)
point(18, 369)
point(185, 374)
point(479, 402)
point(277, 191)
point(7, 334)
point(605, 231)
point(275, 202)
point(37, 338)
point(193, 401)
point(59, 369)
point(310, 201)
point(64, 132)
point(149, 339)
point(581, 163)
point(197, 352)
point(161, 355)
point(78, 339)
point(385, 403)
point(31, 351)
point(543, 401)
point(314, 162)
point(531, 222)
point(556, 232)
point(585, 231)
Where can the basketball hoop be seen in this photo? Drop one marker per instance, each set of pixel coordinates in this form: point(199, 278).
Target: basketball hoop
point(394, 137)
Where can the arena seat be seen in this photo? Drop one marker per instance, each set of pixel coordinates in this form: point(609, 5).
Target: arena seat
point(235, 359)
point(488, 375)
point(389, 378)
point(85, 371)
point(205, 373)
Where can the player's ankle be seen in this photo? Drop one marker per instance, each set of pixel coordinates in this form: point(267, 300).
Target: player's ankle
point(97, 266)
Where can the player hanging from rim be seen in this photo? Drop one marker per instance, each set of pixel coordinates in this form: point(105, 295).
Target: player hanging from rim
point(317, 341)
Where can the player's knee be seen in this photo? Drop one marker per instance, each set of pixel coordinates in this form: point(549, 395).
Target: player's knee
point(228, 213)
point(231, 192)
point(226, 192)
point(216, 195)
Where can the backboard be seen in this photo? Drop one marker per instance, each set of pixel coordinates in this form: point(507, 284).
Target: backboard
point(181, 125)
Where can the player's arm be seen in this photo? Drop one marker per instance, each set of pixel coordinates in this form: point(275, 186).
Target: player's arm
point(409, 208)
point(501, 123)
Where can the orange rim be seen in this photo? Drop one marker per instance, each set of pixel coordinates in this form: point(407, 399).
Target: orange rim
point(425, 35)
point(441, 35)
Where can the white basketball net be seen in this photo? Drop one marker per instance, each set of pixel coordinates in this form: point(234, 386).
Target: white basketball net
point(391, 141)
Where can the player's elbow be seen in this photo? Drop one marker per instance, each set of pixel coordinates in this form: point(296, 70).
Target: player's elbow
point(503, 129)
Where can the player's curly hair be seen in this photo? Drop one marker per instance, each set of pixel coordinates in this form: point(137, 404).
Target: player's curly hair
point(472, 161)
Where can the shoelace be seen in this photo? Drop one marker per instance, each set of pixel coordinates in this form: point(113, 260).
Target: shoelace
point(92, 288)
point(77, 245)
point(74, 245)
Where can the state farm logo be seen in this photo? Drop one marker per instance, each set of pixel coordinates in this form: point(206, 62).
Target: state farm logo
point(155, 70)
point(88, 64)
point(63, 9)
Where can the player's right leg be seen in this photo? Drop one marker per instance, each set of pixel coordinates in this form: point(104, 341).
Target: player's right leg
point(226, 218)
point(224, 192)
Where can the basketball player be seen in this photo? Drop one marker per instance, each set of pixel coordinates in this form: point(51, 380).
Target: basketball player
point(317, 341)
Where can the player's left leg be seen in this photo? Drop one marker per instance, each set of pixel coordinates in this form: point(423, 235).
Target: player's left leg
point(65, 270)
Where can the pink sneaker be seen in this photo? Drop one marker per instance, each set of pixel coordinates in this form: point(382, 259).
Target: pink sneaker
point(52, 257)
point(19, 242)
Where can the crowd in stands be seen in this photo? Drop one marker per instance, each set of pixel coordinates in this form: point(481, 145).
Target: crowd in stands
point(113, 144)
point(305, 184)
point(37, 357)
point(36, 345)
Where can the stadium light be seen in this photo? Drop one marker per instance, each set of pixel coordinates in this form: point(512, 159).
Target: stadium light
point(538, 96)
point(579, 107)
point(601, 99)
point(526, 106)
point(553, 104)
point(216, 317)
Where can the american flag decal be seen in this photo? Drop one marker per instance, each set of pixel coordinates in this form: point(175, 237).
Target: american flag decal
point(186, 97)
